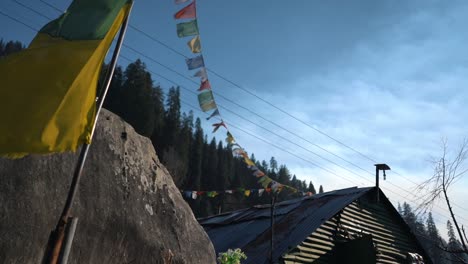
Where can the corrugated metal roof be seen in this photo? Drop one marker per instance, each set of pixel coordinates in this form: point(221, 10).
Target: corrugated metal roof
point(249, 229)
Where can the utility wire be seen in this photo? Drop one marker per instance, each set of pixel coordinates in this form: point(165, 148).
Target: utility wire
point(229, 100)
point(32, 10)
point(267, 102)
point(293, 154)
point(158, 74)
point(52, 6)
point(19, 21)
point(258, 97)
point(281, 148)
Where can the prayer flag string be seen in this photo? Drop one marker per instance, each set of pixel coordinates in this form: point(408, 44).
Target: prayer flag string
point(208, 103)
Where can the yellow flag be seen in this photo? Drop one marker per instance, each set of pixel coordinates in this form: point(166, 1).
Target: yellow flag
point(248, 161)
point(48, 91)
point(194, 44)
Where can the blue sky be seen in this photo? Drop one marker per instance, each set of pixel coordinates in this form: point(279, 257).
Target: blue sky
point(387, 78)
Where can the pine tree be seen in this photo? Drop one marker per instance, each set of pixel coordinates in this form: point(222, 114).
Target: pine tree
point(136, 102)
point(311, 188)
point(283, 175)
point(455, 245)
point(10, 47)
point(431, 228)
point(221, 179)
point(264, 166)
point(2, 48)
point(321, 189)
point(433, 240)
point(273, 166)
point(182, 149)
point(114, 94)
point(195, 167)
point(158, 132)
point(172, 117)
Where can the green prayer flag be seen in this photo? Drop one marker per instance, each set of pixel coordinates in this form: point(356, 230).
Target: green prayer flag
point(48, 91)
point(85, 20)
point(186, 29)
point(206, 101)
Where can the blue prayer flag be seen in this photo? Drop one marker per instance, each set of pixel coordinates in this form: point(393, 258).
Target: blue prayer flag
point(195, 63)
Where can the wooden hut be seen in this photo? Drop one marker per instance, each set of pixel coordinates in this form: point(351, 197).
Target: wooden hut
point(342, 226)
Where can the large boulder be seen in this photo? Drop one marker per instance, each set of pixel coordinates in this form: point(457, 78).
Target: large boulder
point(128, 207)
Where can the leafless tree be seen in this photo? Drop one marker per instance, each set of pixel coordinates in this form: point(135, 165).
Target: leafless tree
point(446, 172)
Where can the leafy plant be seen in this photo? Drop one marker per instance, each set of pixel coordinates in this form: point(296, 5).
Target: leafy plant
point(231, 256)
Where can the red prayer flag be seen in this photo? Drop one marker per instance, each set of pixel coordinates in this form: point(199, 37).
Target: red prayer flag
point(217, 125)
point(205, 85)
point(187, 12)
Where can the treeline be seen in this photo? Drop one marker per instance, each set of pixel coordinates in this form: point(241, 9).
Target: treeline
point(427, 233)
point(195, 161)
point(9, 47)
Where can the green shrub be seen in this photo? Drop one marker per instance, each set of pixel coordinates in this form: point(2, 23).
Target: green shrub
point(231, 256)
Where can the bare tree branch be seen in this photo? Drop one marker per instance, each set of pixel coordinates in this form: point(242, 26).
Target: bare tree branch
point(464, 234)
point(445, 174)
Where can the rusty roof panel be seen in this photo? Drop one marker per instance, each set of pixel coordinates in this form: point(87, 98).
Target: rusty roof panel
point(249, 229)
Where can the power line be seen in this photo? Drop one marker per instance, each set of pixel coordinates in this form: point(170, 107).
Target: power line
point(184, 77)
point(52, 6)
point(282, 148)
point(258, 97)
point(19, 21)
point(269, 103)
point(229, 100)
point(291, 153)
point(32, 10)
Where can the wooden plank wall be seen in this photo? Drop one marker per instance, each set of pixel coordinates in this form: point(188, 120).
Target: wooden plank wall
point(360, 217)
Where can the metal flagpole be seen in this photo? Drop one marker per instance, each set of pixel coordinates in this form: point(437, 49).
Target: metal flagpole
point(56, 238)
point(272, 225)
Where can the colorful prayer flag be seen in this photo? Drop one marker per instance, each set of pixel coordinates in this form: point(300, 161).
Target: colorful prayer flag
point(212, 194)
point(194, 44)
point(215, 113)
point(229, 138)
point(258, 173)
point(248, 161)
point(189, 11)
point(254, 168)
point(238, 151)
point(202, 74)
point(275, 186)
point(206, 101)
point(260, 192)
point(265, 181)
point(48, 91)
point(228, 191)
point(218, 125)
point(205, 85)
point(247, 193)
point(194, 63)
point(186, 29)
point(194, 195)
